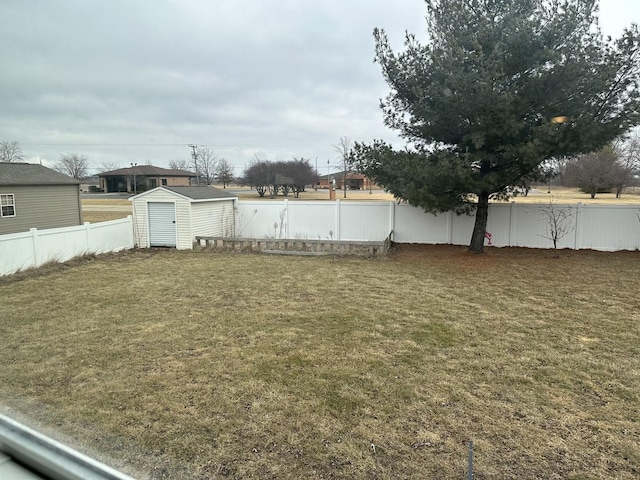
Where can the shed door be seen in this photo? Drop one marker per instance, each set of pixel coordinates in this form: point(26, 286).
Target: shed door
point(162, 224)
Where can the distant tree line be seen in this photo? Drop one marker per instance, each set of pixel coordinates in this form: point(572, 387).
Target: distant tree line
point(279, 177)
point(207, 165)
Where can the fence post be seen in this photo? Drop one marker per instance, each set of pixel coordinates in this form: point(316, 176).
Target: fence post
point(512, 221)
point(34, 245)
point(337, 219)
point(450, 227)
point(132, 237)
point(392, 219)
point(87, 236)
point(576, 226)
point(286, 218)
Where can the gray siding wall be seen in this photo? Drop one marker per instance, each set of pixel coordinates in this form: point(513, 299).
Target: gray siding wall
point(41, 207)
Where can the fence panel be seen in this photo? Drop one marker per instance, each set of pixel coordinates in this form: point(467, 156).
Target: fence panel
point(364, 221)
point(498, 225)
point(260, 219)
point(311, 220)
point(461, 229)
point(414, 225)
point(16, 252)
point(19, 251)
point(609, 227)
point(111, 236)
point(61, 244)
point(600, 227)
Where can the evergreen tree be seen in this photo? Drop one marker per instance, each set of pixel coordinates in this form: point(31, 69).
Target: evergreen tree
point(500, 87)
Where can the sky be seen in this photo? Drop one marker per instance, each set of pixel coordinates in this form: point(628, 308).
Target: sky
point(137, 81)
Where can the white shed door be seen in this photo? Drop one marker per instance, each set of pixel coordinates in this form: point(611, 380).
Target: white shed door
point(162, 224)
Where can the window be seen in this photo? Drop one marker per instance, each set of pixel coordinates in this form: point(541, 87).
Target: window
point(164, 181)
point(153, 182)
point(7, 205)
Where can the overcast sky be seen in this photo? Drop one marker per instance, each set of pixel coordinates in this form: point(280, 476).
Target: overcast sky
point(124, 81)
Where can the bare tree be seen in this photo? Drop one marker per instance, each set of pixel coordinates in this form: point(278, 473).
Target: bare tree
point(595, 172)
point(207, 163)
point(73, 164)
point(558, 221)
point(108, 166)
point(548, 170)
point(257, 175)
point(224, 172)
point(343, 148)
point(303, 174)
point(628, 152)
point(180, 164)
point(10, 152)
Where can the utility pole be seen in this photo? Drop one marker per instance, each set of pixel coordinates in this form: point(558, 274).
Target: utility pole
point(135, 186)
point(194, 154)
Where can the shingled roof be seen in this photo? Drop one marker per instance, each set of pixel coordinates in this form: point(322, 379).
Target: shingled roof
point(32, 174)
point(147, 170)
point(200, 193)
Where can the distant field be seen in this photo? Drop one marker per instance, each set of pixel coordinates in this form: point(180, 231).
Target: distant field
point(573, 196)
point(207, 365)
point(100, 210)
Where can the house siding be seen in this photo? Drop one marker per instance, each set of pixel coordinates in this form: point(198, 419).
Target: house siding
point(215, 219)
point(41, 207)
point(175, 181)
point(124, 183)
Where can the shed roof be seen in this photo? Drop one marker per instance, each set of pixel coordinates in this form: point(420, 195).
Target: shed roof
point(147, 170)
point(200, 193)
point(192, 193)
point(32, 174)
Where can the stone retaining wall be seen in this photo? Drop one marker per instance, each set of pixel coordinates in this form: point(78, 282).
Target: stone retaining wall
point(297, 247)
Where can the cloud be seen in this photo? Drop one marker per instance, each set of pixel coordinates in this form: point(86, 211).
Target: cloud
point(124, 81)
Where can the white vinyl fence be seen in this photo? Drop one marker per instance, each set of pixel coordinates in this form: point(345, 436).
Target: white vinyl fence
point(598, 227)
point(315, 220)
point(19, 251)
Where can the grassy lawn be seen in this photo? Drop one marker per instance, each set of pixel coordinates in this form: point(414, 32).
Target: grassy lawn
point(211, 365)
point(96, 210)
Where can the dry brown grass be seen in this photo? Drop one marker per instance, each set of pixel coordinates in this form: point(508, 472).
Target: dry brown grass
point(320, 194)
point(573, 196)
point(203, 365)
point(100, 210)
point(537, 195)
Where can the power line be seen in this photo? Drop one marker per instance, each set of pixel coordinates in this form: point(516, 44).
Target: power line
point(258, 143)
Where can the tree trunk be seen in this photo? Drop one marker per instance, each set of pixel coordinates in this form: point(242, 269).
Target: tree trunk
point(480, 227)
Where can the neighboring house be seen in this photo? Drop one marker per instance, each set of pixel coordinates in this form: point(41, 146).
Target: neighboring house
point(175, 216)
point(89, 184)
point(33, 196)
point(144, 177)
point(355, 181)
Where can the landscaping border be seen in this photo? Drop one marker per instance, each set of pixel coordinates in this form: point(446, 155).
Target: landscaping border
point(297, 247)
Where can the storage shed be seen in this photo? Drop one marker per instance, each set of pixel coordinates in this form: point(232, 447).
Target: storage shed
point(174, 216)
